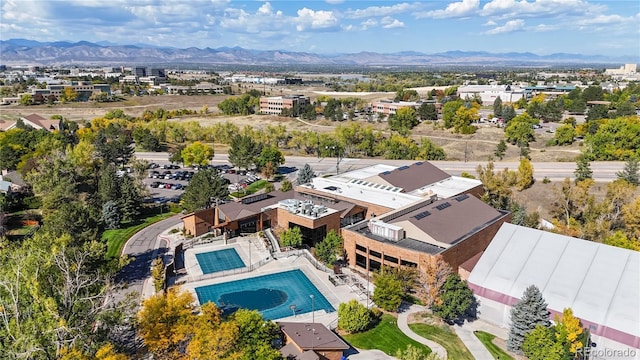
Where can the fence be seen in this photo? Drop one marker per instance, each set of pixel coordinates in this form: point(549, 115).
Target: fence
point(218, 274)
point(303, 252)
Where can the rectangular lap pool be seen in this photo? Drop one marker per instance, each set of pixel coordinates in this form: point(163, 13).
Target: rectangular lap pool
point(219, 260)
point(275, 295)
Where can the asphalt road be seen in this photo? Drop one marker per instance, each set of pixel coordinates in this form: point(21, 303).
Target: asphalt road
point(603, 171)
point(141, 247)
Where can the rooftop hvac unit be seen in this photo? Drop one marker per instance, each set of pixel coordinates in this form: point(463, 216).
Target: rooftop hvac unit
point(387, 231)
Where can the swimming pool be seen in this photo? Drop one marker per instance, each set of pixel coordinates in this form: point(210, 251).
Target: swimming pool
point(274, 295)
point(219, 260)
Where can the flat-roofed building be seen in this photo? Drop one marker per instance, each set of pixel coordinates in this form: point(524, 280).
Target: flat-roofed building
point(275, 104)
point(389, 107)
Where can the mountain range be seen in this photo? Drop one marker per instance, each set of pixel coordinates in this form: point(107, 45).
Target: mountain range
point(23, 51)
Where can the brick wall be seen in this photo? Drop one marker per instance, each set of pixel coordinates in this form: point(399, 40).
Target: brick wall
point(199, 222)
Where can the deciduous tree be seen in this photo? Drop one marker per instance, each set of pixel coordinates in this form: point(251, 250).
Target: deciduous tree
point(291, 237)
point(196, 153)
point(353, 317)
point(388, 290)
point(540, 344)
point(435, 272)
point(455, 298)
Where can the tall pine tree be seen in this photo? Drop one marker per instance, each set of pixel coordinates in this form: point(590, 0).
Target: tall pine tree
point(305, 174)
point(529, 312)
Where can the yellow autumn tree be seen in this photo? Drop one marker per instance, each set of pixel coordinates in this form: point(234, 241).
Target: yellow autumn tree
point(568, 330)
point(525, 174)
point(108, 352)
point(434, 274)
point(165, 323)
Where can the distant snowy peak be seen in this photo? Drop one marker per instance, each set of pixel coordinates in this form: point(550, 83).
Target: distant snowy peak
point(21, 51)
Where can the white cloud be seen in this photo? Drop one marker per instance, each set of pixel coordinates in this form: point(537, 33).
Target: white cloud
point(388, 22)
point(539, 8)
point(509, 26)
point(381, 10)
point(490, 23)
point(315, 20)
point(605, 20)
point(545, 28)
point(459, 9)
point(368, 24)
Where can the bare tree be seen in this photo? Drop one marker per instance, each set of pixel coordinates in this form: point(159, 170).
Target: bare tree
point(434, 273)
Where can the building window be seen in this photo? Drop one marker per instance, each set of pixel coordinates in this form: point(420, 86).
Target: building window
point(361, 248)
point(374, 265)
point(375, 254)
point(361, 261)
point(391, 259)
point(408, 263)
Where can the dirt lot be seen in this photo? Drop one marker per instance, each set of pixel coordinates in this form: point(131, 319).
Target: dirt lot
point(479, 146)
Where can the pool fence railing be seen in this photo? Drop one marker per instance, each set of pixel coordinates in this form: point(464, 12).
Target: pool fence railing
point(242, 270)
point(303, 252)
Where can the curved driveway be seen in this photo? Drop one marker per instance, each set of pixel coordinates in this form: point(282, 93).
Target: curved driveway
point(142, 247)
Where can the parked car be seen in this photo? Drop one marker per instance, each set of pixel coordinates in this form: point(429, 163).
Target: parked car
point(153, 174)
point(153, 166)
point(155, 184)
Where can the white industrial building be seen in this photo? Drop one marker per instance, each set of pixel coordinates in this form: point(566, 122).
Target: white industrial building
point(600, 283)
point(489, 93)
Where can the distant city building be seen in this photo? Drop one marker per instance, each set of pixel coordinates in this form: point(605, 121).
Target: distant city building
point(626, 69)
point(275, 104)
point(139, 71)
point(157, 73)
point(390, 107)
point(489, 93)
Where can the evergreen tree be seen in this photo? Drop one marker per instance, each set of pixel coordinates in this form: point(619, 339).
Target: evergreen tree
point(497, 107)
point(583, 168)
point(508, 113)
point(206, 188)
point(526, 314)
point(630, 173)
point(286, 185)
point(501, 149)
point(305, 174)
point(130, 199)
point(111, 215)
point(243, 151)
point(108, 184)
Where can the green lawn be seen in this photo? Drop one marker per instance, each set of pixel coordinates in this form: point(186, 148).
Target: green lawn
point(115, 239)
point(487, 340)
point(446, 337)
point(386, 337)
point(260, 184)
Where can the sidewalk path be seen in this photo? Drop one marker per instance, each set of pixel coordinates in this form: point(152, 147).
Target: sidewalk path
point(404, 327)
point(477, 348)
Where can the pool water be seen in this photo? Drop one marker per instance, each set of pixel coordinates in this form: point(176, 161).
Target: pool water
point(275, 295)
point(219, 260)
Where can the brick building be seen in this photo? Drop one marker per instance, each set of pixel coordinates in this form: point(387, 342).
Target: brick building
point(275, 104)
point(457, 228)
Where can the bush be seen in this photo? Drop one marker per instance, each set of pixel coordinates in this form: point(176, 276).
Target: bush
point(174, 231)
point(353, 317)
point(546, 180)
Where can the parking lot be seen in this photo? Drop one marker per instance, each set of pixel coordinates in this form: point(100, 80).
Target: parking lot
point(166, 182)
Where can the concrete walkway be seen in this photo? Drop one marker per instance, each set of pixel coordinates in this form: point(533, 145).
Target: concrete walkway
point(404, 327)
point(477, 348)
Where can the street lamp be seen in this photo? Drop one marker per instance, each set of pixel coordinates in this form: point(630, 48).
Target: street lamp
point(293, 309)
point(337, 151)
point(313, 314)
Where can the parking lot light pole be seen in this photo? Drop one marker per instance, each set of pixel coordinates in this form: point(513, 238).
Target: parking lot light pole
point(313, 308)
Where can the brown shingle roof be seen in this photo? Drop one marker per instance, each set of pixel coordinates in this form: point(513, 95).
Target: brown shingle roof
point(414, 176)
point(450, 220)
point(316, 335)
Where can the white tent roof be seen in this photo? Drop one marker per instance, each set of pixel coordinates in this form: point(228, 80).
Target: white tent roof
point(600, 283)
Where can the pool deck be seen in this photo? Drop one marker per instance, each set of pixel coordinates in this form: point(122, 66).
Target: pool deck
point(320, 279)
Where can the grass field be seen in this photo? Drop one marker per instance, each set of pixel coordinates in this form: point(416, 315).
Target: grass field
point(386, 336)
point(487, 340)
point(115, 239)
point(445, 337)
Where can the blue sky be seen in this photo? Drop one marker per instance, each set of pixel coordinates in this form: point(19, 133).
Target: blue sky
point(336, 26)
